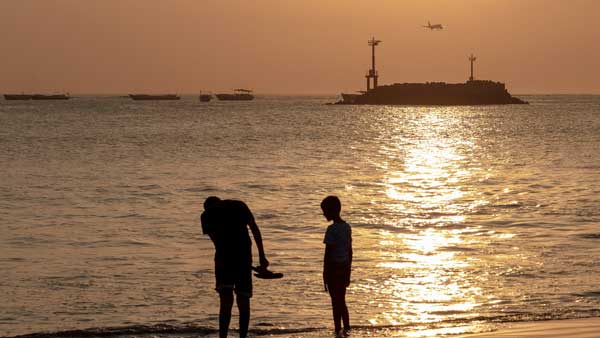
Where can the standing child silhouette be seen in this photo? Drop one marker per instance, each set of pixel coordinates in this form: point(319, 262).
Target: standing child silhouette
point(337, 262)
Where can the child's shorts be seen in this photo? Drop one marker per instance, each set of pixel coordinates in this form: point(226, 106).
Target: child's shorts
point(338, 275)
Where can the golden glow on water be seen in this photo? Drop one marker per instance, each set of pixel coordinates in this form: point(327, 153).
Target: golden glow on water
point(461, 216)
point(426, 279)
point(443, 331)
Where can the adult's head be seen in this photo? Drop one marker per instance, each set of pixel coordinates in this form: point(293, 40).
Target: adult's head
point(210, 202)
point(331, 207)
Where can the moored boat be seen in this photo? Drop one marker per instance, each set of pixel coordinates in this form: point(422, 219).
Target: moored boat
point(237, 95)
point(50, 97)
point(17, 97)
point(205, 97)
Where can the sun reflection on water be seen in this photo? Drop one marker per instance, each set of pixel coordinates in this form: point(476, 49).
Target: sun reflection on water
point(426, 278)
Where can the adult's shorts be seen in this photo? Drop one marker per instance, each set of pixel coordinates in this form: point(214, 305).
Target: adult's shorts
point(234, 277)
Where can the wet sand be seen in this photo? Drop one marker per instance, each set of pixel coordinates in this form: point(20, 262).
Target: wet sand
point(575, 328)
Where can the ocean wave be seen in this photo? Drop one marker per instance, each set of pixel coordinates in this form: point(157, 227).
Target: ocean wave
point(508, 205)
point(200, 189)
point(265, 329)
point(588, 294)
point(590, 236)
point(162, 329)
point(122, 331)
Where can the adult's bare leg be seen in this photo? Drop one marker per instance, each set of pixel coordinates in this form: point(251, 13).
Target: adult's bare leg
point(226, 297)
point(243, 303)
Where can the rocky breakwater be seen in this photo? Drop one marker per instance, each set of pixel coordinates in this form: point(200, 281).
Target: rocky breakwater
point(436, 93)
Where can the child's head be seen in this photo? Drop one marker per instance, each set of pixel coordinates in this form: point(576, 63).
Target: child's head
point(331, 207)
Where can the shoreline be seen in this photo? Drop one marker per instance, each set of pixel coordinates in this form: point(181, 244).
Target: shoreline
point(572, 328)
point(564, 328)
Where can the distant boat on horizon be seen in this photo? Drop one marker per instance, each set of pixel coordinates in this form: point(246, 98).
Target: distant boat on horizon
point(148, 97)
point(205, 97)
point(24, 97)
point(237, 95)
point(17, 96)
point(50, 97)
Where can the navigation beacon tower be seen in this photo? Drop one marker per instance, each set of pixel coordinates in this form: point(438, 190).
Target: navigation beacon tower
point(472, 58)
point(372, 74)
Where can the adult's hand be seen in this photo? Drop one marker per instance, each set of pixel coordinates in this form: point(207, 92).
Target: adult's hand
point(264, 263)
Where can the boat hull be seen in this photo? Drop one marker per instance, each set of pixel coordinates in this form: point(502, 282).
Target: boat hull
point(17, 97)
point(235, 97)
point(50, 97)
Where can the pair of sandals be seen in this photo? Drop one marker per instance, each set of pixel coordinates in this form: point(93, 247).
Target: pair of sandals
point(264, 273)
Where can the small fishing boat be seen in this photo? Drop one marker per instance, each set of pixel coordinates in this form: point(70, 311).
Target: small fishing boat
point(205, 97)
point(237, 95)
point(17, 97)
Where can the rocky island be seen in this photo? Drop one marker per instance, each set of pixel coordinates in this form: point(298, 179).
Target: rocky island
point(472, 92)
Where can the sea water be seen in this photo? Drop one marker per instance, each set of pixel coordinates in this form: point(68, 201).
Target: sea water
point(463, 218)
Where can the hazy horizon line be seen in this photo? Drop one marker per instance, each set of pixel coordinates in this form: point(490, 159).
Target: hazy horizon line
point(255, 93)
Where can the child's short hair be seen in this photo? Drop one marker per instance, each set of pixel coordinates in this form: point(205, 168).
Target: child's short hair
point(331, 204)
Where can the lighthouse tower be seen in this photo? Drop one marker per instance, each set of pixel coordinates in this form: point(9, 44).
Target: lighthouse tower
point(372, 73)
point(472, 58)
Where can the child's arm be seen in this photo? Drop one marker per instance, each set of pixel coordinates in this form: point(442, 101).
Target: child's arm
point(351, 253)
point(326, 264)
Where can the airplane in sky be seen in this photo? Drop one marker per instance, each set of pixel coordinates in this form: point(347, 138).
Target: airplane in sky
point(434, 27)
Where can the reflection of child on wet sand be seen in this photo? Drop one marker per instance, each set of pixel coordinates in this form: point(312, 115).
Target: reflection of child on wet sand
point(337, 262)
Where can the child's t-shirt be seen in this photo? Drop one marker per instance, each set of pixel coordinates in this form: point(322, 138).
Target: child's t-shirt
point(339, 236)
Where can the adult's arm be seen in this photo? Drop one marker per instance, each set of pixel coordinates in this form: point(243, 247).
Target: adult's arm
point(207, 227)
point(259, 243)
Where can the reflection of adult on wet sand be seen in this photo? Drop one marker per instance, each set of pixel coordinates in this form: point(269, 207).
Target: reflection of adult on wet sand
point(226, 222)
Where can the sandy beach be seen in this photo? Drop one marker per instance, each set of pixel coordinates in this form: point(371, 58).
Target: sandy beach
point(571, 328)
point(575, 328)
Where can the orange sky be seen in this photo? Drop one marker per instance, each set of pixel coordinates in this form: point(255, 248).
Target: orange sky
point(294, 46)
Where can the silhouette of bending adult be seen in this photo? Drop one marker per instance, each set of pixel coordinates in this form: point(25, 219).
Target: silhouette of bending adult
point(226, 222)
